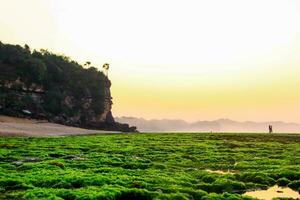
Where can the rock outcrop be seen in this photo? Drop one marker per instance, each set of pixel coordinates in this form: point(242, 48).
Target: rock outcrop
point(43, 85)
point(27, 102)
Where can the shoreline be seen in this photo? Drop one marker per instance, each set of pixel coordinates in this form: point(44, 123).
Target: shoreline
point(12, 126)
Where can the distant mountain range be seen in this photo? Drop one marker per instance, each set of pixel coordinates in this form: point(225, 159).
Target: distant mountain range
point(220, 125)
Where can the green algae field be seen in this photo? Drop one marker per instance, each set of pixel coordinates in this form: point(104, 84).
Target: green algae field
point(148, 166)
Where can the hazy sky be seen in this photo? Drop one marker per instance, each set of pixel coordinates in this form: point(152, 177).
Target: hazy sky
point(187, 59)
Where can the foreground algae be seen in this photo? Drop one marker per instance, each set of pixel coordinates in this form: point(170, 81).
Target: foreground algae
point(147, 166)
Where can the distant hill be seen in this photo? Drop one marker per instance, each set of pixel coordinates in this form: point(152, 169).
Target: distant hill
point(220, 125)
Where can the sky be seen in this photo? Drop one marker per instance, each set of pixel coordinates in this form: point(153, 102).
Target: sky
point(176, 59)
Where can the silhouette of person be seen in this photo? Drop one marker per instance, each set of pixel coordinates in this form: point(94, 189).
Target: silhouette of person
point(270, 129)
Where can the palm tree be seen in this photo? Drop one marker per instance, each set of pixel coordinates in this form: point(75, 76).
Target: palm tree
point(105, 68)
point(87, 63)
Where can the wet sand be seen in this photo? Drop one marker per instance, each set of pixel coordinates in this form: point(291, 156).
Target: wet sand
point(275, 191)
point(219, 171)
point(11, 126)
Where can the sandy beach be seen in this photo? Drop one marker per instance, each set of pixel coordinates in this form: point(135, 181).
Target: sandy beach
point(11, 126)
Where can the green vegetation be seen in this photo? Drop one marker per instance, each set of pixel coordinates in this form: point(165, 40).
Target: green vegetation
point(147, 166)
point(56, 77)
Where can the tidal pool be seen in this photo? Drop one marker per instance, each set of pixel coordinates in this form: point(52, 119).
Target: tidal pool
point(273, 192)
point(219, 171)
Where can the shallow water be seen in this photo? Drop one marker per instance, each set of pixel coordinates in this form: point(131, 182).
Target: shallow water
point(273, 192)
point(219, 171)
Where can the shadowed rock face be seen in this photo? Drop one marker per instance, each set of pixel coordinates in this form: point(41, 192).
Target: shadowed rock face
point(86, 116)
point(106, 116)
point(22, 100)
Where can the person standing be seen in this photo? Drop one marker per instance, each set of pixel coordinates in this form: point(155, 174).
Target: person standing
point(270, 129)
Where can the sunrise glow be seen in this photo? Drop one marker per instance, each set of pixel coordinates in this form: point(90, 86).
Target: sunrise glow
point(192, 60)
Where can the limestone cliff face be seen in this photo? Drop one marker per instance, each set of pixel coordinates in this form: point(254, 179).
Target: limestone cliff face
point(86, 115)
point(19, 100)
point(106, 116)
point(16, 97)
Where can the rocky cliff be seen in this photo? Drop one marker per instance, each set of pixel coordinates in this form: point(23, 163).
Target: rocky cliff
point(44, 85)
